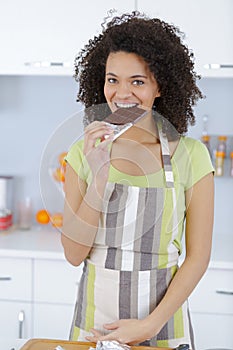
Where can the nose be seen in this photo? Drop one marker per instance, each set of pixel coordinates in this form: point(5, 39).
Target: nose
point(123, 90)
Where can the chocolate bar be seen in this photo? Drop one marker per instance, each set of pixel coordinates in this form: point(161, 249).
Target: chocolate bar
point(125, 115)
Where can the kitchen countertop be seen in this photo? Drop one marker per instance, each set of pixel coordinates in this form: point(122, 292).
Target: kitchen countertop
point(44, 242)
point(222, 256)
point(38, 242)
point(9, 344)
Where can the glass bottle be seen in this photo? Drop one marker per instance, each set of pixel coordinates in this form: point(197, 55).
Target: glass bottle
point(219, 163)
point(206, 140)
point(231, 171)
point(221, 147)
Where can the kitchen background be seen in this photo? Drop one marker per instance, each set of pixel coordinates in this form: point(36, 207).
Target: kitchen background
point(33, 107)
point(38, 93)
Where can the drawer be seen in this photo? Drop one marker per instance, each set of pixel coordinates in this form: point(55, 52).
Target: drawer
point(52, 321)
point(15, 279)
point(12, 326)
point(214, 293)
point(56, 281)
point(212, 331)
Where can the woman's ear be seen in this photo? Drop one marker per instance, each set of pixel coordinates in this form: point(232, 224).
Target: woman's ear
point(158, 92)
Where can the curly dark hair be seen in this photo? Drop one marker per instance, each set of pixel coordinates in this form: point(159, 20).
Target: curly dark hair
point(160, 45)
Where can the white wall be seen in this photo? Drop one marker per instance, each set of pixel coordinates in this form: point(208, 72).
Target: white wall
point(31, 109)
point(218, 105)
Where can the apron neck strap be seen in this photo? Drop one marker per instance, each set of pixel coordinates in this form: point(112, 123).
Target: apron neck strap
point(166, 158)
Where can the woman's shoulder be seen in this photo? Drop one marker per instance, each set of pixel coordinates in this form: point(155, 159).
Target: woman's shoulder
point(192, 147)
point(77, 145)
point(194, 159)
point(75, 153)
point(191, 142)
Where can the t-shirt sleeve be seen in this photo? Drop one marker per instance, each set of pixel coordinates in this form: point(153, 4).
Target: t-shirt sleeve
point(200, 163)
point(75, 158)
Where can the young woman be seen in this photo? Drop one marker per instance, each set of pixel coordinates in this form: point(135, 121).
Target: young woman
point(128, 201)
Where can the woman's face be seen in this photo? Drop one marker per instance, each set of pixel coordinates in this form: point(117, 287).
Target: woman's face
point(129, 82)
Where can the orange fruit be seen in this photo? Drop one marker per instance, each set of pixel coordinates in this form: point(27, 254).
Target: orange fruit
point(56, 219)
point(62, 160)
point(42, 216)
point(59, 175)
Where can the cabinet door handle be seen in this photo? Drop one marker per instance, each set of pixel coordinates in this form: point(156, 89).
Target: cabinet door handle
point(21, 317)
point(182, 347)
point(225, 292)
point(6, 278)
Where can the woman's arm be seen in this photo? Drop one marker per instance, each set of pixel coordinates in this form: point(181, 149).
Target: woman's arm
point(199, 225)
point(83, 204)
point(81, 216)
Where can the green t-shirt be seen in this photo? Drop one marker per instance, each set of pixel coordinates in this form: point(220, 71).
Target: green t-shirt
point(190, 162)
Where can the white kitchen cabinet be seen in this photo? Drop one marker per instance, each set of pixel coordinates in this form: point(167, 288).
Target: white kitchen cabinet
point(15, 297)
point(55, 281)
point(49, 33)
point(15, 279)
point(40, 291)
point(211, 306)
point(208, 27)
point(52, 320)
point(55, 291)
point(15, 319)
point(212, 331)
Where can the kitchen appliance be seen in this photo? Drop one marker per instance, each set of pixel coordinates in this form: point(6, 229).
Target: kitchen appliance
point(6, 202)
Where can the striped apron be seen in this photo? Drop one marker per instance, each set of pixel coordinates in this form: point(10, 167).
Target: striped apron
point(133, 261)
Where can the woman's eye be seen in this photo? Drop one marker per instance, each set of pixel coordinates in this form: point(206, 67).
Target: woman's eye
point(112, 80)
point(138, 82)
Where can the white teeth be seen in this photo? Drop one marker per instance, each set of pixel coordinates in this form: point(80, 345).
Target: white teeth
point(125, 105)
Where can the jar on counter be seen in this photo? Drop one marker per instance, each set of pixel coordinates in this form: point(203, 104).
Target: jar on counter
point(231, 171)
point(221, 147)
point(5, 219)
point(219, 163)
point(206, 140)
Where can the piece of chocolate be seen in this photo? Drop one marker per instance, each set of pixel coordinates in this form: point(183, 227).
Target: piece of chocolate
point(126, 115)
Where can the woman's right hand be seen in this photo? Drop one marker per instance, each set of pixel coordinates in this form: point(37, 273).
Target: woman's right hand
point(98, 156)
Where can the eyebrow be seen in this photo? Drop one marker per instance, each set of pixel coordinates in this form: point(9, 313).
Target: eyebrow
point(133, 76)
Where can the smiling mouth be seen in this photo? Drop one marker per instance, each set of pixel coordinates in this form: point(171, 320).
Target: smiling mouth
point(126, 105)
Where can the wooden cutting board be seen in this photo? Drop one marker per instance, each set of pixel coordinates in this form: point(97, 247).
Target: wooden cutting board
point(50, 344)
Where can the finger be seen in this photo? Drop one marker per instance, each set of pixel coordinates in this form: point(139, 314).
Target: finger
point(95, 332)
point(111, 326)
point(91, 138)
point(92, 339)
point(109, 336)
point(95, 337)
point(95, 124)
point(106, 142)
point(97, 128)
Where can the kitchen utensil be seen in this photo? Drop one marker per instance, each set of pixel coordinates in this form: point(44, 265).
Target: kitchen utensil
point(25, 213)
point(6, 201)
point(6, 192)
